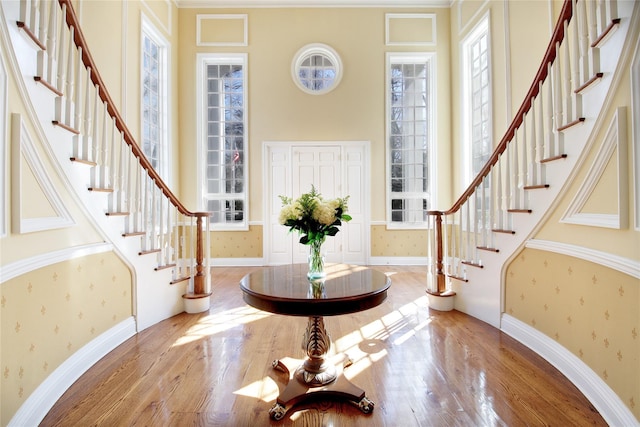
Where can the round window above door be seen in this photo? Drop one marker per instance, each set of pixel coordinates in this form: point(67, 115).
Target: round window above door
point(316, 69)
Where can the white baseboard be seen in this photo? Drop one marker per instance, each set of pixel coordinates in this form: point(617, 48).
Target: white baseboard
point(386, 260)
point(236, 262)
point(38, 404)
point(605, 400)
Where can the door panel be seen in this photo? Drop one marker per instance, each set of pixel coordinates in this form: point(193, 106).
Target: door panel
point(336, 171)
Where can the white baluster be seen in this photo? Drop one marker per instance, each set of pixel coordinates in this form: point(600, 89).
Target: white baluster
point(41, 22)
point(492, 206)
point(52, 45)
point(69, 94)
point(77, 102)
point(549, 127)
point(593, 35)
point(26, 9)
point(499, 195)
point(61, 42)
point(556, 86)
point(567, 93)
point(515, 174)
point(460, 248)
point(583, 30)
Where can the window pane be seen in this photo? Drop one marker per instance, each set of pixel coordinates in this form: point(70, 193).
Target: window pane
point(225, 114)
point(409, 138)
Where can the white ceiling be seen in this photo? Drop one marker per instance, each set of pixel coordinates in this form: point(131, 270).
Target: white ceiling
point(311, 3)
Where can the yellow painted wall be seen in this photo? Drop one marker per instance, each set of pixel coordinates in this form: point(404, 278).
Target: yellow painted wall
point(114, 40)
point(519, 33)
point(279, 111)
point(50, 313)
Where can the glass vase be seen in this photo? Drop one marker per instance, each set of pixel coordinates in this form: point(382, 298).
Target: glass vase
point(316, 261)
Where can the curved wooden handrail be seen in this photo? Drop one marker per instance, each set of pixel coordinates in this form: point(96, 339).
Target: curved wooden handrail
point(87, 59)
point(558, 35)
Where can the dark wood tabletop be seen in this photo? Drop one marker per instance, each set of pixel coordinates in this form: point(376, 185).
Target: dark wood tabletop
point(286, 290)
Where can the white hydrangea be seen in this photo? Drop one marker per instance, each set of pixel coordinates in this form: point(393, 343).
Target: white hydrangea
point(290, 211)
point(324, 213)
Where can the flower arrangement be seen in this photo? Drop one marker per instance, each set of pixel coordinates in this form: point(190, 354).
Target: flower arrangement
point(313, 217)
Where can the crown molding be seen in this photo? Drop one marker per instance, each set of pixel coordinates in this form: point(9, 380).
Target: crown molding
point(244, 4)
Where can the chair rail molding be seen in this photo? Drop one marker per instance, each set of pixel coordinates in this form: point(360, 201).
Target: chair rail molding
point(621, 264)
point(26, 265)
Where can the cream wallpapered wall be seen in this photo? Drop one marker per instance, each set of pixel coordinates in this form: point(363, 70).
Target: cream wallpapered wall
point(384, 242)
point(50, 313)
point(237, 244)
point(397, 243)
point(589, 309)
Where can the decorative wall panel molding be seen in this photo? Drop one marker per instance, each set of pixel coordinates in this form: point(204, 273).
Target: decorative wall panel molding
point(25, 156)
point(222, 30)
point(410, 29)
point(612, 151)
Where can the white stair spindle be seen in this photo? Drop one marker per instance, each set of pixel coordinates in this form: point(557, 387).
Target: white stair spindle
point(61, 42)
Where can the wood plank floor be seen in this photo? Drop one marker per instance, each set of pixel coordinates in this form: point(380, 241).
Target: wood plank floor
point(420, 367)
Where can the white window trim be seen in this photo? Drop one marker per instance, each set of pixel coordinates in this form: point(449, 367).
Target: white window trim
point(411, 58)
point(165, 99)
point(202, 60)
point(483, 25)
point(4, 149)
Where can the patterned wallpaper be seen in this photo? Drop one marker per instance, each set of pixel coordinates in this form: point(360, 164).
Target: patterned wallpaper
point(589, 309)
point(397, 243)
point(50, 313)
point(237, 244)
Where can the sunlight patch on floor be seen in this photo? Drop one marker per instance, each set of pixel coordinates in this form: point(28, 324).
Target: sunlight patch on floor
point(220, 322)
point(265, 389)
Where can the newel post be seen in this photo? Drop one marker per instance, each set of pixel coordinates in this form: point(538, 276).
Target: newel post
point(198, 300)
point(199, 286)
point(440, 277)
point(439, 298)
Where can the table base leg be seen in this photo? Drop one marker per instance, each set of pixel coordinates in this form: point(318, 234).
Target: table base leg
point(297, 390)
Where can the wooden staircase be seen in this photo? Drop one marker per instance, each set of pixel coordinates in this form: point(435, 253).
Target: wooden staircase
point(165, 244)
point(471, 244)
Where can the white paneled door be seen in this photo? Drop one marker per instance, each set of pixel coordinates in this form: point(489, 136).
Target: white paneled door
point(336, 169)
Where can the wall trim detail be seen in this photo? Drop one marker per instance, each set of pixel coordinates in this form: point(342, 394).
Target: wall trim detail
point(635, 130)
point(608, 403)
point(429, 40)
point(23, 147)
point(26, 265)
point(615, 141)
point(621, 264)
point(38, 404)
point(386, 260)
point(242, 19)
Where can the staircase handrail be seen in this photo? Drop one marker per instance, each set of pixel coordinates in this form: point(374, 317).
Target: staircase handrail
point(549, 57)
point(87, 59)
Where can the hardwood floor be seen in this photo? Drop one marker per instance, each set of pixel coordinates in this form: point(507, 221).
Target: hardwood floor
point(420, 367)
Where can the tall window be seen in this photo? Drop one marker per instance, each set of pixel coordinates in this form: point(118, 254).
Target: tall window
point(154, 98)
point(223, 127)
point(410, 119)
point(477, 98)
